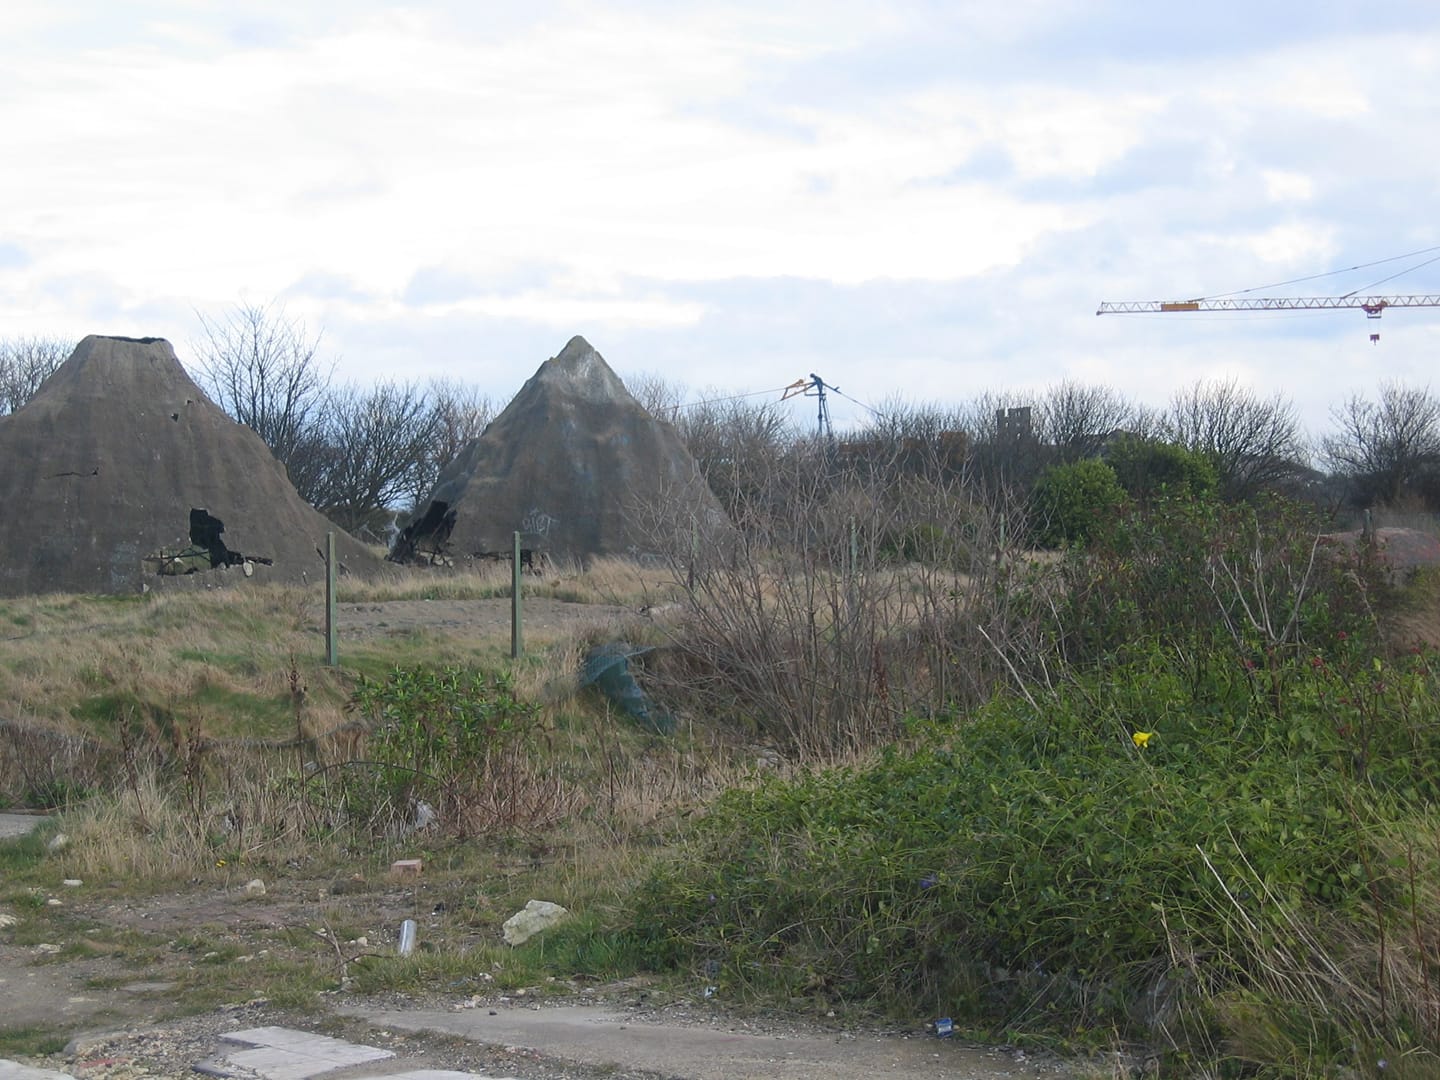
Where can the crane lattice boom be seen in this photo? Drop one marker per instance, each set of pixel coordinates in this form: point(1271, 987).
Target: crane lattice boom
point(1373, 306)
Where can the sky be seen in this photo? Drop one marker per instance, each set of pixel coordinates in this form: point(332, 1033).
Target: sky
point(918, 202)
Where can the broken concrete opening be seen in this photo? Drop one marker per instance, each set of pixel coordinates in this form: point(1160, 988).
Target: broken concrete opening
point(425, 539)
point(206, 551)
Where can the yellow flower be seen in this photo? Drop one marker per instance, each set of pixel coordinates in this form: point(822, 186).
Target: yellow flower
point(219, 862)
point(1140, 738)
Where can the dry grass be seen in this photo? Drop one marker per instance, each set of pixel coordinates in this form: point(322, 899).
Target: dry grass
point(600, 581)
point(188, 717)
point(208, 648)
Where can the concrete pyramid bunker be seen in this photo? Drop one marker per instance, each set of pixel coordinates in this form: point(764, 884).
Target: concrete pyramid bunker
point(574, 464)
point(120, 467)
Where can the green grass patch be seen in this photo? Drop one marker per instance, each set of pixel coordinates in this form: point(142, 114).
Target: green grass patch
point(246, 714)
point(31, 1041)
point(21, 855)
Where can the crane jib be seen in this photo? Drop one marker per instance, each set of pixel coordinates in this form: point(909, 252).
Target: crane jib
point(1373, 306)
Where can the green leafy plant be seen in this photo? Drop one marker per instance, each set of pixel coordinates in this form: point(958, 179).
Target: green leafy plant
point(457, 742)
point(1062, 867)
point(1071, 503)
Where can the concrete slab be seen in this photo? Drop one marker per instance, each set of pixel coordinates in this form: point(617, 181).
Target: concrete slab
point(13, 1070)
point(286, 1054)
point(17, 825)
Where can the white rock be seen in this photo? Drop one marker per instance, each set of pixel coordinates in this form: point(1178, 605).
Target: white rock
point(538, 915)
point(255, 887)
point(72, 883)
point(58, 842)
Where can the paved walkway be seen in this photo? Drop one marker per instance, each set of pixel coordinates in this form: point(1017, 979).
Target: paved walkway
point(601, 1037)
point(592, 1037)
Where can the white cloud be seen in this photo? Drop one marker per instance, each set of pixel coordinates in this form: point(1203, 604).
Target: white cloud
point(1287, 187)
point(651, 157)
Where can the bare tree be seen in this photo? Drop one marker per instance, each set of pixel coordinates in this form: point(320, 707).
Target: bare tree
point(376, 439)
point(264, 369)
point(913, 439)
point(662, 398)
point(461, 413)
point(25, 363)
point(1075, 421)
point(1384, 447)
point(737, 443)
point(1254, 443)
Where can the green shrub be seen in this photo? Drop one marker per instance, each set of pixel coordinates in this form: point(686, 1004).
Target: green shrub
point(1071, 503)
point(455, 739)
point(1037, 863)
point(1147, 468)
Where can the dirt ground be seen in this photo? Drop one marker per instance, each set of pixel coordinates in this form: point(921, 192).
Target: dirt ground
point(115, 1011)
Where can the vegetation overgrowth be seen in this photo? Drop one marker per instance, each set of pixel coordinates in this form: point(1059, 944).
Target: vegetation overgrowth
point(1171, 786)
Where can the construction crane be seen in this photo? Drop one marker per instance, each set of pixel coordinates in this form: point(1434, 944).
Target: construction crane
point(1373, 306)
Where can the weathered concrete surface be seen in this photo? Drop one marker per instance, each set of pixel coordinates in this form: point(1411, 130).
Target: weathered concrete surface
point(602, 1037)
point(576, 465)
point(13, 1070)
point(103, 467)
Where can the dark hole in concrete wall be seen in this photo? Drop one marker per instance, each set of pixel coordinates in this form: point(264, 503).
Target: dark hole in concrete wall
point(425, 538)
point(206, 551)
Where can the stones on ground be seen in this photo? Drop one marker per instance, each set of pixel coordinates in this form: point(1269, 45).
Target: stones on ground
point(535, 917)
point(255, 887)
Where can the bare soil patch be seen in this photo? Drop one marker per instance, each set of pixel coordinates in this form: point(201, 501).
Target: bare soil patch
point(124, 1012)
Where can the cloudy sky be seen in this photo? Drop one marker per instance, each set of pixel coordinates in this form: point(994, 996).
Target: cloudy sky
point(913, 200)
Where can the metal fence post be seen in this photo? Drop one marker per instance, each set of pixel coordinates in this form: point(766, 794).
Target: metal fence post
point(332, 645)
point(516, 638)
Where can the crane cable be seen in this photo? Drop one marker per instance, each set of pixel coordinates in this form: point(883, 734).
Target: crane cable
point(1332, 273)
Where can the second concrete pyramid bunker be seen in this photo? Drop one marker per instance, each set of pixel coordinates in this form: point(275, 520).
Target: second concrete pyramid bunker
point(574, 463)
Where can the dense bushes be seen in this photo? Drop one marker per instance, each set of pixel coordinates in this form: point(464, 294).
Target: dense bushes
point(1176, 825)
point(1052, 866)
point(1074, 502)
point(450, 746)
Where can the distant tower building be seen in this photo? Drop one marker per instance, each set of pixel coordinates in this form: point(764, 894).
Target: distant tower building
point(1014, 427)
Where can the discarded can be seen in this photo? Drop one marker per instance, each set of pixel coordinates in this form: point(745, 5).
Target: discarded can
point(407, 937)
point(944, 1027)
